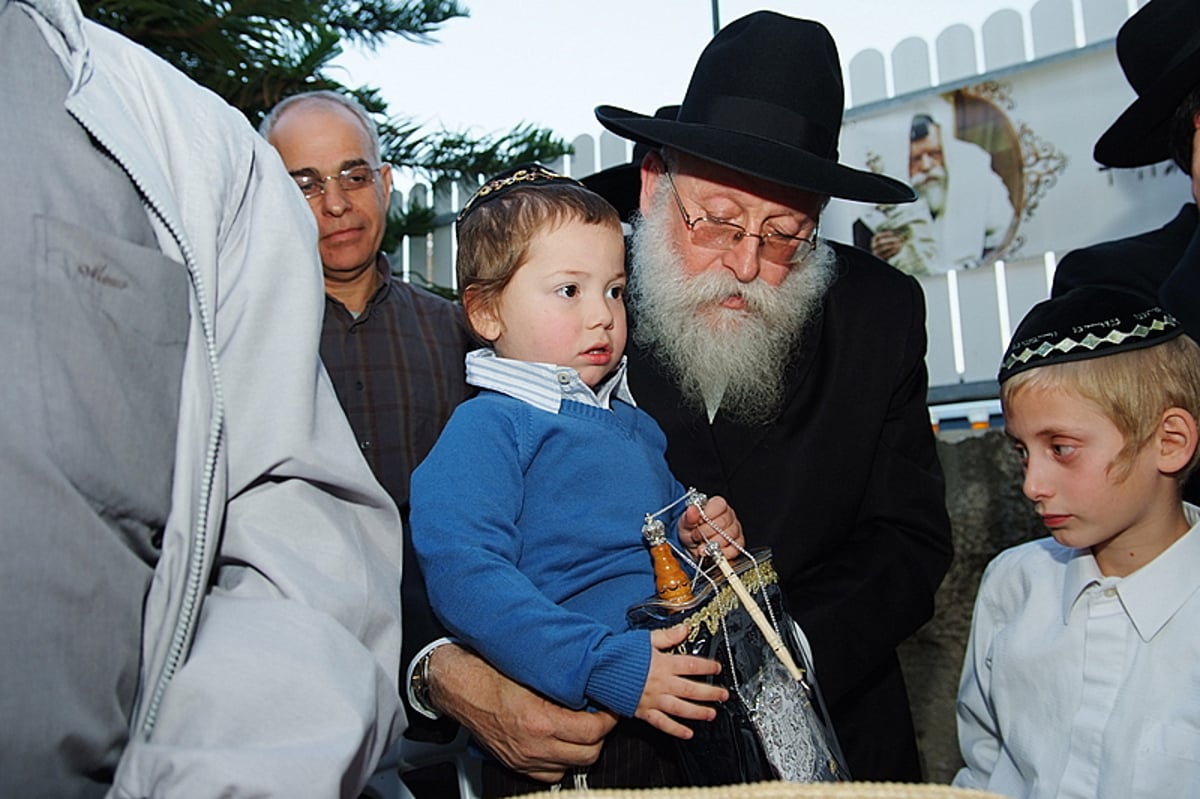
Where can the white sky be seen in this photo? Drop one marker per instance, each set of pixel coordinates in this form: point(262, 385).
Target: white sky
point(550, 62)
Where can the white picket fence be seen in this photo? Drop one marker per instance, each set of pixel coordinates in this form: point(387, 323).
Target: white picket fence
point(1006, 39)
point(971, 314)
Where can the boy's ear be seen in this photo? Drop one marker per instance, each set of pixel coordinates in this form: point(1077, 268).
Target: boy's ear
point(1177, 439)
point(481, 315)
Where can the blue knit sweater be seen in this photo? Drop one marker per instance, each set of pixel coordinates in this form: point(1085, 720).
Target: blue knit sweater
point(527, 526)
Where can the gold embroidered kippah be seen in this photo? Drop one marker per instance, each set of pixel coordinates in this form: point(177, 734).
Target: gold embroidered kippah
point(517, 177)
point(1086, 322)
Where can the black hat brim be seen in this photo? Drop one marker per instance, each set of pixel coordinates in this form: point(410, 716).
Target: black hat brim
point(1140, 136)
point(770, 160)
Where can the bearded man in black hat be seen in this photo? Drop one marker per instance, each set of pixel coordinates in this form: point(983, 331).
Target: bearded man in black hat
point(1159, 51)
point(787, 372)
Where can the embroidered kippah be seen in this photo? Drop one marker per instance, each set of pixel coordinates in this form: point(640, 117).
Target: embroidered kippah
point(517, 177)
point(1086, 322)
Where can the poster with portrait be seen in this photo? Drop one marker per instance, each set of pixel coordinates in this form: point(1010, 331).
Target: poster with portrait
point(1002, 169)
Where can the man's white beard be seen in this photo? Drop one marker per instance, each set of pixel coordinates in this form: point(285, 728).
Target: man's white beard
point(933, 186)
point(735, 358)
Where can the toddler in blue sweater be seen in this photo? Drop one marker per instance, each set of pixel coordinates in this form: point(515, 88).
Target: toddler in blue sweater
point(526, 516)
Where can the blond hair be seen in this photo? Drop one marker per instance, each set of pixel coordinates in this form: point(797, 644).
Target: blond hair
point(1132, 389)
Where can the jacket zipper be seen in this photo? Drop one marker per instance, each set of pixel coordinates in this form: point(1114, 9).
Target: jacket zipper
point(185, 621)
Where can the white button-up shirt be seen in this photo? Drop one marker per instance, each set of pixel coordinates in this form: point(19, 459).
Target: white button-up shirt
point(1080, 685)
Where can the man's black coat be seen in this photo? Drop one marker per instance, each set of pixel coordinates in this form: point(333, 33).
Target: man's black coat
point(1139, 263)
point(846, 489)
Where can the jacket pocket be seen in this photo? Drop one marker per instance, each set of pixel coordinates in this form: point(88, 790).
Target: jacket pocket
point(112, 323)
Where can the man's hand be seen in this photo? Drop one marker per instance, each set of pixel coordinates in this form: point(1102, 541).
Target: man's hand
point(885, 244)
point(694, 535)
point(528, 733)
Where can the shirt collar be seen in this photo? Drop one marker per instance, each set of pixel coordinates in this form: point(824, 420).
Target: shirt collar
point(383, 268)
point(1155, 592)
point(1082, 571)
point(544, 385)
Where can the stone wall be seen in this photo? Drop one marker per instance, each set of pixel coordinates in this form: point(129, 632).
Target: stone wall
point(988, 513)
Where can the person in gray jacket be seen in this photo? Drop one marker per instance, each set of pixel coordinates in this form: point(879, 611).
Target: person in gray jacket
point(199, 593)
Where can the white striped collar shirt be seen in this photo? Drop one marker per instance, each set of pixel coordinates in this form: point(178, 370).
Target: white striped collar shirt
point(544, 385)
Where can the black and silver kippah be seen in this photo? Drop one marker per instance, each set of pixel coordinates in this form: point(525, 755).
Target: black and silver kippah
point(1086, 322)
point(517, 177)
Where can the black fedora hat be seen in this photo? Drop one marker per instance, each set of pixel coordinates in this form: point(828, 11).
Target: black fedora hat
point(766, 99)
point(621, 185)
point(1159, 51)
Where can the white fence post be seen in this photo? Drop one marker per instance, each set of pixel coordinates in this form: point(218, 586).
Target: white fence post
point(1052, 23)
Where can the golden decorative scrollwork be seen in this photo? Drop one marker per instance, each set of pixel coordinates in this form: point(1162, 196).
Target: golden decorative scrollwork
point(709, 617)
point(1043, 162)
point(1040, 162)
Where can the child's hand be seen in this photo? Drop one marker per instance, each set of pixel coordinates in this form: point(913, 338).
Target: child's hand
point(693, 531)
point(668, 689)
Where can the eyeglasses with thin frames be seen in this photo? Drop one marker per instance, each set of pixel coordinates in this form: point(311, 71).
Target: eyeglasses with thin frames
point(718, 234)
point(349, 179)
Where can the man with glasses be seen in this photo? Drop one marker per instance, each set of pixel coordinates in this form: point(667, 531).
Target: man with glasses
point(393, 351)
point(788, 374)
